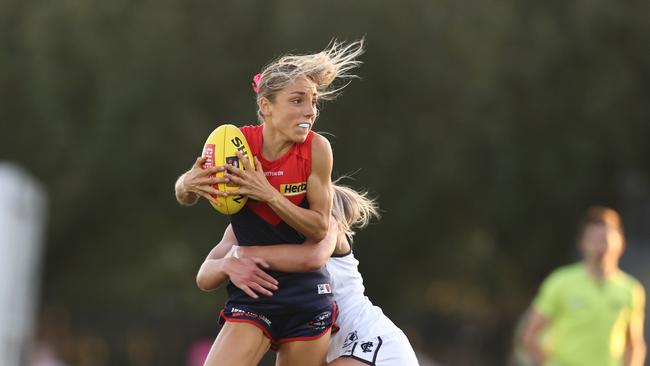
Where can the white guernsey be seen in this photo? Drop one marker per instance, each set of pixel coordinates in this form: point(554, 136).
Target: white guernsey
point(366, 334)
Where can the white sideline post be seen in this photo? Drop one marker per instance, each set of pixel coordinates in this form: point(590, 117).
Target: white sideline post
point(22, 219)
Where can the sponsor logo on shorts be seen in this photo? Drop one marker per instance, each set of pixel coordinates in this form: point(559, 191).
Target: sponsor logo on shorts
point(243, 313)
point(324, 288)
point(364, 349)
point(321, 321)
point(350, 339)
point(293, 189)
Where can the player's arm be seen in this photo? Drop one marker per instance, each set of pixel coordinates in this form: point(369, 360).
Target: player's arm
point(308, 256)
point(312, 222)
point(244, 273)
point(636, 346)
point(198, 182)
point(536, 322)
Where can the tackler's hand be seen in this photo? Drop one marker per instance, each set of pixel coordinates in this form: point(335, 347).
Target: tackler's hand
point(246, 274)
point(251, 181)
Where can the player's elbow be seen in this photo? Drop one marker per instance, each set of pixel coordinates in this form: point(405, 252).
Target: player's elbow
point(320, 231)
point(203, 282)
point(318, 235)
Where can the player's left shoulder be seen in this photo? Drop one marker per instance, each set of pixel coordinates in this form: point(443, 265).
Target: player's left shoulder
point(321, 151)
point(320, 143)
point(630, 282)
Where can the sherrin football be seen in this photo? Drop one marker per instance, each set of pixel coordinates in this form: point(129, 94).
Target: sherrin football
point(220, 149)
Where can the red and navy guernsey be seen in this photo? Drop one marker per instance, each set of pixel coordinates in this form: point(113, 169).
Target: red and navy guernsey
point(258, 224)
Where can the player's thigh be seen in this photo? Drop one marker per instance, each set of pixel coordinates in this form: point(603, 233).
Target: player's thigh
point(238, 344)
point(304, 353)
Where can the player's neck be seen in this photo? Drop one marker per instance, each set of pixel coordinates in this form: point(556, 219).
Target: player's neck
point(600, 271)
point(274, 145)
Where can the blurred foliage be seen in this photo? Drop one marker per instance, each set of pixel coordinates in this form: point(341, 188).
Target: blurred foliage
point(484, 127)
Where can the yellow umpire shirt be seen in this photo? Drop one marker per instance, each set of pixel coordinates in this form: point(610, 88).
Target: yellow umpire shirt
point(588, 318)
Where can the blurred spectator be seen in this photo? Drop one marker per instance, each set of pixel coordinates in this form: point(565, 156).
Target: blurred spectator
point(141, 347)
point(57, 344)
point(43, 355)
point(589, 313)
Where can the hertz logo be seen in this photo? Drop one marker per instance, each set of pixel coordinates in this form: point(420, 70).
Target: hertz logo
point(293, 189)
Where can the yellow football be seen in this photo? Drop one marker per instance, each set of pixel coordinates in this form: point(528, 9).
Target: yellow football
point(220, 149)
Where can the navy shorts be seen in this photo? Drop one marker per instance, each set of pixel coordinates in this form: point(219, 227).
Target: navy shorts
point(300, 326)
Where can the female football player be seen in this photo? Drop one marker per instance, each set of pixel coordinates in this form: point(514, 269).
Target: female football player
point(290, 200)
point(366, 336)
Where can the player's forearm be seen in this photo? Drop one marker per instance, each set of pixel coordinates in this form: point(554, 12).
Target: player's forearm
point(183, 196)
point(535, 352)
point(288, 257)
point(636, 355)
point(531, 345)
point(308, 256)
point(211, 274)
point(312, 224)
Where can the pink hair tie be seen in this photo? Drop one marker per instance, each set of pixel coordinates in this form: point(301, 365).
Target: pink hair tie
point(256, 82)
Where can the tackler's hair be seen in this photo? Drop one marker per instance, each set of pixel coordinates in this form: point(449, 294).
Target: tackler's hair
point(352, 209)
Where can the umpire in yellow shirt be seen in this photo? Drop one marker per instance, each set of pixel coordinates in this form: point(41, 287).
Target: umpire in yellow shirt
point(589, 313)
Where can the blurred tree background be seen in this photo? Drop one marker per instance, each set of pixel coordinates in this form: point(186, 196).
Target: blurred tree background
point(484, 127)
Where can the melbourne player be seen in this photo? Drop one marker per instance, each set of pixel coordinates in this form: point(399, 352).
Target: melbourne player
point(366, 335)
point(289, 201)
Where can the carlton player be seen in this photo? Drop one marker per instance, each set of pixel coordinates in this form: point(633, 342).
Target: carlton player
point(289, 201)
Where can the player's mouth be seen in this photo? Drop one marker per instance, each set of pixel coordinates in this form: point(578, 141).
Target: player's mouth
point(304, 125)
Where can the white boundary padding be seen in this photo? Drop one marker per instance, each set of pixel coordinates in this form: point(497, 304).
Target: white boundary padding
point(22, 221)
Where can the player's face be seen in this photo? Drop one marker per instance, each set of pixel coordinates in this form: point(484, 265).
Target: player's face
point(293, 111)
point(601, 244)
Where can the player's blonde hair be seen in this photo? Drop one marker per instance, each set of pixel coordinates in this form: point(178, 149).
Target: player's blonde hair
point(336, 61)
point(352, 209)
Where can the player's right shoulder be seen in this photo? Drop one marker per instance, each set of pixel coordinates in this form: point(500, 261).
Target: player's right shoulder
point(249, 129)
point(253, 135)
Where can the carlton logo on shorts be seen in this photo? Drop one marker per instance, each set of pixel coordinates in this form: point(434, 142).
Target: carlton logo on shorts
point(324, 288)
point(367, 347)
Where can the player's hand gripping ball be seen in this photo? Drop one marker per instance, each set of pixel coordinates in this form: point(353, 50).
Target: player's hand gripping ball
point(220, 149)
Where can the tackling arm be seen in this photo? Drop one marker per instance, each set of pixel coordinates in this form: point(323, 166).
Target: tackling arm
point(244, 273)
point(308, 256)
